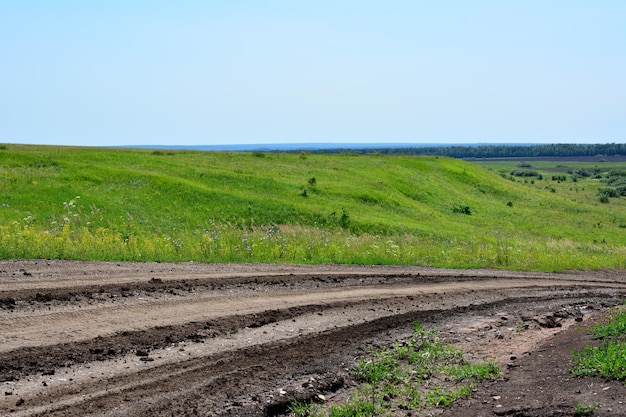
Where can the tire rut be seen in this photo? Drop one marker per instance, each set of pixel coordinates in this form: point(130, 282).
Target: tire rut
point(243, 332)
point(186, 382)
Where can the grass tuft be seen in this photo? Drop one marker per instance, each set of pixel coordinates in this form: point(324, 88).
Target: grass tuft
point(582, 409)
point(607, 360)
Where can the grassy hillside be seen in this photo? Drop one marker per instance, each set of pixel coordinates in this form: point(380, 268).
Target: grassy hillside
point(80, 203)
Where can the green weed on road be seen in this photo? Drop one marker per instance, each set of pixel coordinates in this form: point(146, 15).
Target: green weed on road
point(423, 372)
point(607, 360)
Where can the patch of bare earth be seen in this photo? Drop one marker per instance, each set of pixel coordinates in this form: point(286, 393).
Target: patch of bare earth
point(148, 339)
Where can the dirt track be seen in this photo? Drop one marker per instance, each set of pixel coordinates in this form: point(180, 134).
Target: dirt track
point(86, 338)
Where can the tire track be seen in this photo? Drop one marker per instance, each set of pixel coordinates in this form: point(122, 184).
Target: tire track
point(49, 328)
point(206, 383)
point(242, 331)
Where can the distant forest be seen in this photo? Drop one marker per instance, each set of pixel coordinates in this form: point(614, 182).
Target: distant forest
point(495, 151)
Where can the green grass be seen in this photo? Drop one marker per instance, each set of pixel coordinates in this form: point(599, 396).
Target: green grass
point(115, 204)
point(582, 409)
point(575, 180)
point(423, 373)
point(607, 360)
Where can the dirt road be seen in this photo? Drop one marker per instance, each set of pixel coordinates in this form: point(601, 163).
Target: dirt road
point(129, 339)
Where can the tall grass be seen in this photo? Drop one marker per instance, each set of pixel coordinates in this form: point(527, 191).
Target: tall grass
point(78, 203)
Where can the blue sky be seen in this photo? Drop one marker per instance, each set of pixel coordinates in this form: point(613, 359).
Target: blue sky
point(243, 72)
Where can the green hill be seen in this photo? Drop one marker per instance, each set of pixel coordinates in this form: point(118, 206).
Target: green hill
point(86, 203)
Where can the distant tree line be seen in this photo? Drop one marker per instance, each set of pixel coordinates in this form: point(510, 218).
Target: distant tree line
point(495, 151)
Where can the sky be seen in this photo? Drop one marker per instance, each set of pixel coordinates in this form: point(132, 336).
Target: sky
point(138, 72)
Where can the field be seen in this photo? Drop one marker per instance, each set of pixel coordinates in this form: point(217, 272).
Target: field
point(129, 205)
point(148, 283)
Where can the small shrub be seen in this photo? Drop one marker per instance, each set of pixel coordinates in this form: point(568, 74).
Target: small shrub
point(616, 173)
point(605, 193)
point(582, 172)
point(344, 220)
point(618, 183)
point(608, 191)
point(524, 173)
point(463, 209)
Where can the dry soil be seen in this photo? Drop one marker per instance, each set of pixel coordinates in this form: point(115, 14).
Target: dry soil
point(153, 339)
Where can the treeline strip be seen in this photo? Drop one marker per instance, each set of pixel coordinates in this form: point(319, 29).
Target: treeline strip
point(492, 151)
